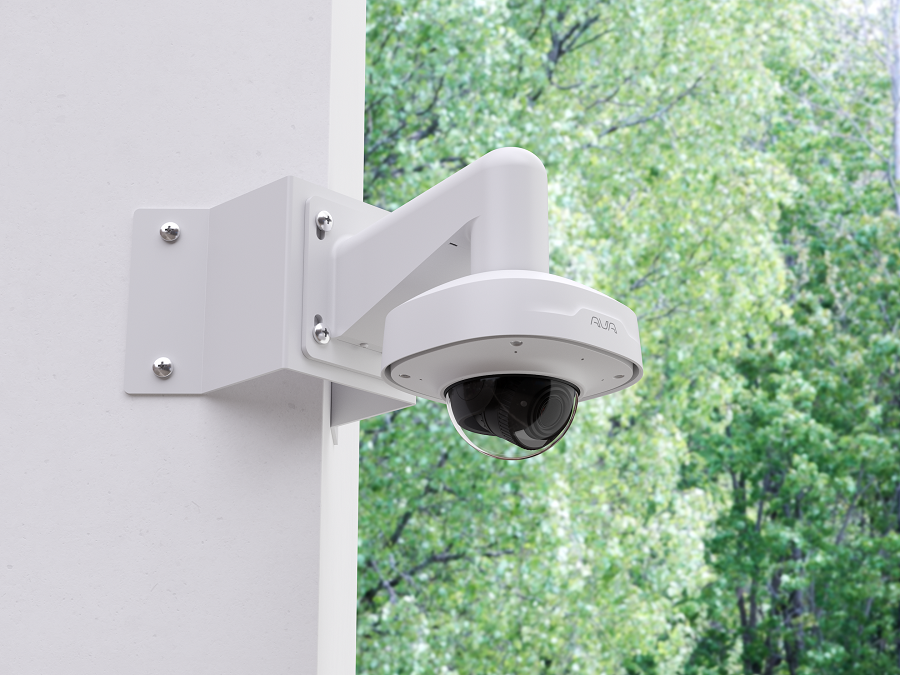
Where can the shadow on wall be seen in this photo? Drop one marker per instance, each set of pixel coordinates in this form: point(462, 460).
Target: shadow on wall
point(281, 408)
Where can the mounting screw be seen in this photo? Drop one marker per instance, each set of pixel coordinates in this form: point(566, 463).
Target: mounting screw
point(162, 367)
point(324, 221)
point(320, 333)
point(170, 232)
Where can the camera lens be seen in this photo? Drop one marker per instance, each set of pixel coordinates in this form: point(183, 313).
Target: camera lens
point(548, 416)
point(512, 416)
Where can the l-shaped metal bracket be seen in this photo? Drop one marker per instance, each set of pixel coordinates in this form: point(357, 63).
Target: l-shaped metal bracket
point(225, 301)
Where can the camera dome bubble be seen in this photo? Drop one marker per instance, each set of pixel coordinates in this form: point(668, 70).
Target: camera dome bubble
point(512, 416)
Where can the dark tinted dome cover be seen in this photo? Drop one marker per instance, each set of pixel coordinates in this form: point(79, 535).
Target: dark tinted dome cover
point(528, 411)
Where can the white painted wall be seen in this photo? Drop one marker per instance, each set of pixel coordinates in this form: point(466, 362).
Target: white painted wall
point(162, 534)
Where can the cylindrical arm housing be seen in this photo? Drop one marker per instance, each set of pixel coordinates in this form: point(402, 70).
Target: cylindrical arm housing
point(510, 232)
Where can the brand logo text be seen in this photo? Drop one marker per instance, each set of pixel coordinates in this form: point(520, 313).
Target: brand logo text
point(605, 325)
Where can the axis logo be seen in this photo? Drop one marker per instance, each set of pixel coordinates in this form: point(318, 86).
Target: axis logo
point(605, 325)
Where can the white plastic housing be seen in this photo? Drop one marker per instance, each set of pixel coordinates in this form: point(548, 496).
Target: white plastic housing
point(491, 215)
point(469, 327)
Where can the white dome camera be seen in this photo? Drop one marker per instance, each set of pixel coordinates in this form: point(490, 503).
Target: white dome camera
point(448, 298)
point(511, 353)
point(464, 312)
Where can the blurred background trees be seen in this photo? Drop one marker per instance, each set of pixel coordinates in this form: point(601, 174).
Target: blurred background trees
point(727, 169)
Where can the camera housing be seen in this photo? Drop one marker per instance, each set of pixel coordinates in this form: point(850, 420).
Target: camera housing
point(504, 327)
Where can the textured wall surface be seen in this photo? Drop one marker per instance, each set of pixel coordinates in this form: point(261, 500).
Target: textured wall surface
point(148, 534)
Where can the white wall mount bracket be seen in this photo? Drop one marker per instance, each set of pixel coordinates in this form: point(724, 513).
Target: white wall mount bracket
point(225, 300)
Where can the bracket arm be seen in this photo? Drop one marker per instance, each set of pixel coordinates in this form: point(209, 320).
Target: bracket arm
point(498, 204)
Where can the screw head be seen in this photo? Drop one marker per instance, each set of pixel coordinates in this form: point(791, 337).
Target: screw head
point(169, 232)
point(162, 367)
point(324, 221)
point(321, 334)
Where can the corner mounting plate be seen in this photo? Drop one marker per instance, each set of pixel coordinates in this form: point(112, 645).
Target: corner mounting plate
point(225, 301)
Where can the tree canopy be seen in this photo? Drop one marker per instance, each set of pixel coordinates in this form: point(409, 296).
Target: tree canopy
point(727, 170)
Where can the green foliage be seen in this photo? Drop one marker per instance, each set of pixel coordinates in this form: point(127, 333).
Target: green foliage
point(717, 166)
point(808, 445)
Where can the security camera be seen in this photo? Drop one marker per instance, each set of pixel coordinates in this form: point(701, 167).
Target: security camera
point(448, 298)
point(511, 352)
point(464, 312)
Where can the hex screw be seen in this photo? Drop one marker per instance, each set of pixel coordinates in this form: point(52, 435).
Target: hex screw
point(170, 232)
point(163, 367)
